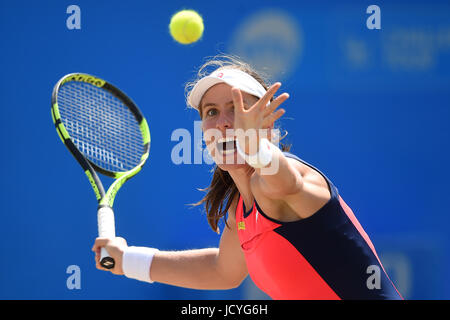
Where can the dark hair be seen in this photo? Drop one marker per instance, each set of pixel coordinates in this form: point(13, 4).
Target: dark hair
point(222, 190)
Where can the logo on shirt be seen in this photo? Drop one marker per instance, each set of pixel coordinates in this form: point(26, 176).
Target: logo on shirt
point(241, 225)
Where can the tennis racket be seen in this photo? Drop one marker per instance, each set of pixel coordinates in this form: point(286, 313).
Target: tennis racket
point(106, 133)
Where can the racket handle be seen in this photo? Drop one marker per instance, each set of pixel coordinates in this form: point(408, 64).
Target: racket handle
point(106, 229)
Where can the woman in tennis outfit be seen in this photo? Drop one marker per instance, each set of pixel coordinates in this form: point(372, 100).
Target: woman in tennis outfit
point(286, 224)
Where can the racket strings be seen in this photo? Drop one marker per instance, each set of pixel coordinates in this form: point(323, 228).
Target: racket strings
point(101, 126)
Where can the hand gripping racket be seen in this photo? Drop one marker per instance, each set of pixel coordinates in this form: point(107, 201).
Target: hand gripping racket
point(106, 133)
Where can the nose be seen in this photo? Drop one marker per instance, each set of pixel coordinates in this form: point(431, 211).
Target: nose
point(224, 121)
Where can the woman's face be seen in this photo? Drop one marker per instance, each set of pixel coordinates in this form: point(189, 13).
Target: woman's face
point(217, 113)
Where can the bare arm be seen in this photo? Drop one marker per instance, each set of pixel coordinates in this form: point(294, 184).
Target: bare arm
point(213, 268)
point(285, 180)
point(210, 268)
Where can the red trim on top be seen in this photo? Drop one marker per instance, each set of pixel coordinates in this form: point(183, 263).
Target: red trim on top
point(349, 212)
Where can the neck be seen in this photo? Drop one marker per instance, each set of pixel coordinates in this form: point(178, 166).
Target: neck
point(241, 178)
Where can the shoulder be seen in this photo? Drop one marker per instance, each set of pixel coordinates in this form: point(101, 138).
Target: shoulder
point(309, 173)
point(298, 163)
point(313, 194)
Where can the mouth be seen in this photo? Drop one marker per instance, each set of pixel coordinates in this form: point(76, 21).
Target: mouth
point(226, 145)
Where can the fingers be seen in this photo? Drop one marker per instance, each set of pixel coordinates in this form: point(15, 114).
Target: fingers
point(269, 115)
point(98, 245)
point(97, 263)
point(268, 121)
point(275, 104)
point(237, 100)
point(269, 94)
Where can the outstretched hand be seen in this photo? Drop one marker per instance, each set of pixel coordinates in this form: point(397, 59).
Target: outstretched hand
point(249, 123)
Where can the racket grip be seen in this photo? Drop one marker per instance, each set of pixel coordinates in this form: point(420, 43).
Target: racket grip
point(106, 229)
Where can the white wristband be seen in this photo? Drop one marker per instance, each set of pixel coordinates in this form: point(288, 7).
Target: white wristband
point(136, 263)
point(262, 158)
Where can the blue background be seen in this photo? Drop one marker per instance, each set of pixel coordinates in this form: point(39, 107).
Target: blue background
point(370, 108)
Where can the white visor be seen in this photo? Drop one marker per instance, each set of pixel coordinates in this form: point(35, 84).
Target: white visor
point(231, 76)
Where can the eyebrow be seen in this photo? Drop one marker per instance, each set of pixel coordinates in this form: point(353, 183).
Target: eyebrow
point(215, 104)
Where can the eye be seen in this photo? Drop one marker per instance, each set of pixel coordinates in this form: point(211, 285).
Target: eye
point(211, 112)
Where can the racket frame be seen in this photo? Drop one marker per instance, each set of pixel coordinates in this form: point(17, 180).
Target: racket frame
point(104, 199)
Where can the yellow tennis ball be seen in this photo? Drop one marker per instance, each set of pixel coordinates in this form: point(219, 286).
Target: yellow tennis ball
point(186, 26)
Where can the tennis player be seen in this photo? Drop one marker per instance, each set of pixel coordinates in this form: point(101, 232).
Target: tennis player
point(286, 224)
